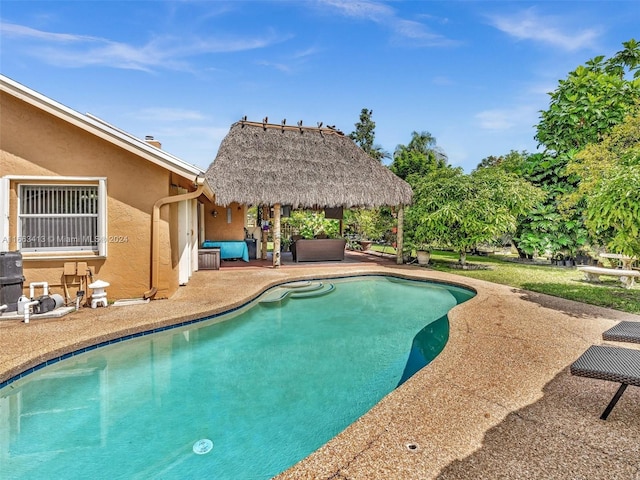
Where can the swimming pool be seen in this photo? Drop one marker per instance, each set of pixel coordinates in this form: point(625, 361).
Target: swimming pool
point(264, 386)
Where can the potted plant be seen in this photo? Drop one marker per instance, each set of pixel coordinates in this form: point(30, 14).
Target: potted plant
point(420, 236)
point(370, 226)
point(557, 259)
point(365, 244)
point(423, 255)
point(353, 244)
point(421, 249)
point(285, 244)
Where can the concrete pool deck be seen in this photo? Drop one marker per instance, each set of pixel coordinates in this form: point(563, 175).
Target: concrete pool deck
point(498, 402)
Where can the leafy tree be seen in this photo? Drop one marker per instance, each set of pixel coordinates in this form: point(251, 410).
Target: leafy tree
point(310, 223)
point(422, 142)
point(511, 162)
point(535, 229)
point(489, 162)
point(610, 187)
point(594, 98)
point(619, 148)
point(583, 109)
point(615, 209)
point(461, 211)
point(419, 157)
point(627, 57)
point(545, 228)
point(364, 136)
point(548, 227)
point(369, 224)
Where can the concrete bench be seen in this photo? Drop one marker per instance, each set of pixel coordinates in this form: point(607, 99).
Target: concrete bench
point(627, 277)
point(625, 262)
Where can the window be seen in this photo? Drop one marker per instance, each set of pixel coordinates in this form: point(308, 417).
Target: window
point(61, 218)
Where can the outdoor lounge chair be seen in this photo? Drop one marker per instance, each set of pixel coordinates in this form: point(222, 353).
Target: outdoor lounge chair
point(615, 364)
point(623, 332)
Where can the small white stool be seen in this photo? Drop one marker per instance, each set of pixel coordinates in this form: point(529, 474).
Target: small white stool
point(99, 295)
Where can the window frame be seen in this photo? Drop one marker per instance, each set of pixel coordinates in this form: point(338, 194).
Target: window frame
point(56, 252)
point(4, 214)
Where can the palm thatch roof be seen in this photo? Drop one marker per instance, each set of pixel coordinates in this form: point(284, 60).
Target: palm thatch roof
point(305, 167)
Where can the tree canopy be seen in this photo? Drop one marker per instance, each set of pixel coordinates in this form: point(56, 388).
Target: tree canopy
point(583, 186)
point(584, 108)
point(419, 157)
point(364, 135)
point(461, 211)
point(591, 100)
point(610, 186)
point(619, 148)
point(512, 162)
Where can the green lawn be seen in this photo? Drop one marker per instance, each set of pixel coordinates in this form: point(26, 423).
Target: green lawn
point(564, 282)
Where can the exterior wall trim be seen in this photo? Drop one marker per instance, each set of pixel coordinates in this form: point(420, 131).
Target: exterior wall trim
point(102, 213)
point(4, 214)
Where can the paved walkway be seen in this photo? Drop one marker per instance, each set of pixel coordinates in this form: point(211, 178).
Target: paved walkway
point(498, 402)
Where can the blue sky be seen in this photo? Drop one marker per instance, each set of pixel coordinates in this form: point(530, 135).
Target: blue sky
point(475, 74)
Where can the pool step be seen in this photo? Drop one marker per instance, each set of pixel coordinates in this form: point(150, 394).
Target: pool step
point(300, 284)
point(324, 289)
point(304, 289)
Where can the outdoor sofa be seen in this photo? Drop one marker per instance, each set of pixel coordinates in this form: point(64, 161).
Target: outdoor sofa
point(318, 249)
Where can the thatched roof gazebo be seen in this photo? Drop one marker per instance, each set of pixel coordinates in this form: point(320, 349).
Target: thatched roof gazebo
point(259, 163)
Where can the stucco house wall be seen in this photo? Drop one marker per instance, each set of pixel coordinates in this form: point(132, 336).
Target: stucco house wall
point(38, 147)
point(217, 226)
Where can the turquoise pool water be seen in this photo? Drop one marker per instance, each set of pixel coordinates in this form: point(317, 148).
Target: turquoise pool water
point(266, 385)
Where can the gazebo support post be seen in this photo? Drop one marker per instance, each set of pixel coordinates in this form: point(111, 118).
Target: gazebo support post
point(399, 239)
point(276, 235)
point(264, 233)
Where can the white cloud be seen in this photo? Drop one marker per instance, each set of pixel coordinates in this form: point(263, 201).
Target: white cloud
point(69, 50)
point(528, 25)
point(275, 65)
point(406, 29)
point(374, 11)
point(500, 119)
point(292, 62)
point(21, 31)
point(419, 34)
point(495, 119)
point(308, 52)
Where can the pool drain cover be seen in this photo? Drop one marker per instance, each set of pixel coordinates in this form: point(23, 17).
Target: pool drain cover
point(202, 446)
